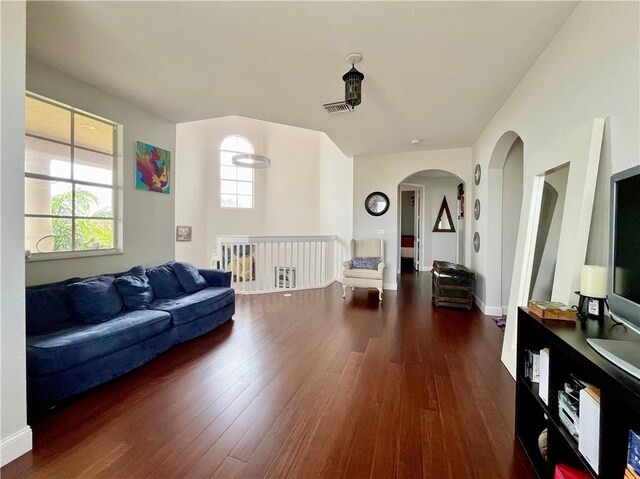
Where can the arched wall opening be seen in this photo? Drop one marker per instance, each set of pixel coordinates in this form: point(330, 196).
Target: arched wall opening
point(430, 188)
point(384, 173)
point(505, 185)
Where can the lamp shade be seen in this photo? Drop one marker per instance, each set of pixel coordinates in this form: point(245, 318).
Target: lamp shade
point(353, 87)
point(593, 281)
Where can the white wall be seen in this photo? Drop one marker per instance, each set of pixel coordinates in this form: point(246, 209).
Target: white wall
point(336, 196)
point(15, 435)
point(384, 173)
point(590, 69)
point(149, 226)
point(435, 245)
point(306, 191)
point(512, 179)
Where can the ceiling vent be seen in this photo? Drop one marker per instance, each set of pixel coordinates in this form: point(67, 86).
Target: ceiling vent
point(338, 108)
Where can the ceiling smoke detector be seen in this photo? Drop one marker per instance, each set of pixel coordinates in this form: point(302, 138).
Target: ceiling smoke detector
point(338, 108)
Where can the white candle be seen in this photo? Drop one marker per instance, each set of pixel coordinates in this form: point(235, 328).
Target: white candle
point(593, 281)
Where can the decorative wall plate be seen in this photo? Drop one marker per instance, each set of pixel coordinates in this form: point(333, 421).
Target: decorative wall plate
point(477, 174)
point(377, 203)
point(476, 242)
point(476, 209)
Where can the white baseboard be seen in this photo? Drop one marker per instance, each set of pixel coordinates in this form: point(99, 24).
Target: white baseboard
point(15, 445)
point(493, 310)
point(505, 310)
point(391, 286)
point(487, 310)
point(479, 302)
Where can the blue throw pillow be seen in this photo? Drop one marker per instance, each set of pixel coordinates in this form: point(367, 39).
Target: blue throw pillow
point(366, 262)
point(49, 308)
point(135, 289)
point(189, 277)
point(95, 300)
point(164, 282)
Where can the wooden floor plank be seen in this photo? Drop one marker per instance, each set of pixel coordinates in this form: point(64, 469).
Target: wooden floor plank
point(305, 386)
point(229, 469)
point(385, 461)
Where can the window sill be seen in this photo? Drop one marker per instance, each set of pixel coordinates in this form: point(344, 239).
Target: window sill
point(35, 257)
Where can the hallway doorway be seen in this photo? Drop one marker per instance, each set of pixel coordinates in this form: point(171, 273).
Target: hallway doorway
point(410, 226)
point(430, 215)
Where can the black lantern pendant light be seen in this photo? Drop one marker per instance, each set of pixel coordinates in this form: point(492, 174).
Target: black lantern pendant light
point(353, 82)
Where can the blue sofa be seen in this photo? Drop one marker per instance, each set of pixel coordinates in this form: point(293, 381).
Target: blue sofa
point(82, 332)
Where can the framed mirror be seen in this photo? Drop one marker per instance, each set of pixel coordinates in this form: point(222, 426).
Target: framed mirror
point(444, 223)
point(377, 203)
point(476, 242)
point(547, 241)
point(476, 209)
point(477, 174)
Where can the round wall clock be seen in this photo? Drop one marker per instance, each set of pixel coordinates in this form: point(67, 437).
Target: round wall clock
point(476, 242)
point(476, 209)
point(377, 203)
point(477, 174)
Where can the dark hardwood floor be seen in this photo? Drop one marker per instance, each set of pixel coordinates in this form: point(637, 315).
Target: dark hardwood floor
point(304, 386)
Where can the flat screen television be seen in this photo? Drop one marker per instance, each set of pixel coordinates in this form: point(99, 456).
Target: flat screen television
point(624, 269)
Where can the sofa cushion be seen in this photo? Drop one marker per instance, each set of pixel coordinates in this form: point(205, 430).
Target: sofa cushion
point(65, 349)
point(363, 273)
point(49, 308)
point(164, 282)
point(135, 289)
point(366, 262)
point(193, 306)
point(189, 277)
point(216, 277)
point(95, 299)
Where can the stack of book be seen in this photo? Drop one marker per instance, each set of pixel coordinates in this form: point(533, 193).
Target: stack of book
point(633, 457)
point(552, 310)
point(532, 366)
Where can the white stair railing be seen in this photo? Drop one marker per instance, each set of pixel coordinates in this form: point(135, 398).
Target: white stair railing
point(265, 264)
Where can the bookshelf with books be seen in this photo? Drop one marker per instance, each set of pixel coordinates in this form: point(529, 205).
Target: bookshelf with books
point(559, 376)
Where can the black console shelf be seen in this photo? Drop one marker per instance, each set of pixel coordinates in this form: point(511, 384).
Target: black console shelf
point(569, 353)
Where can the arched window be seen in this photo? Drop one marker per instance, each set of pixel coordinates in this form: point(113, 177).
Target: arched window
point(236, 184)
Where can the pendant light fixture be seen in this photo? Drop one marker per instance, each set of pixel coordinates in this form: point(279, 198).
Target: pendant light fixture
point(252, 160)
point(353, 81)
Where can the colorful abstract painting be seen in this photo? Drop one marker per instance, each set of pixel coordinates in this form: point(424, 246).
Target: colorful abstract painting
point(152, 168)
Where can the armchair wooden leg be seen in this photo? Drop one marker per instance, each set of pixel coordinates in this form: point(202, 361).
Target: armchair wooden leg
point(344, 290)
point(380, 294)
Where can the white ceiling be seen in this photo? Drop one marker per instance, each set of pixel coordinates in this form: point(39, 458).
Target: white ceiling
point(437, 71)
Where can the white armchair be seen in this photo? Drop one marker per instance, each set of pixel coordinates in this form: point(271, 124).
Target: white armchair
point(364, 278)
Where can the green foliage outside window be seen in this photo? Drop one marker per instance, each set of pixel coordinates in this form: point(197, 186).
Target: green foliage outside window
point(90, 233)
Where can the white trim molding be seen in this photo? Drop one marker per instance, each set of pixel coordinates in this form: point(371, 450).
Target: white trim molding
point(15, 445)
point(487, 310)
point(390, 286)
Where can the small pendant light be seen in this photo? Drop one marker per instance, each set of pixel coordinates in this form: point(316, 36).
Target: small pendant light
point(353, 81)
